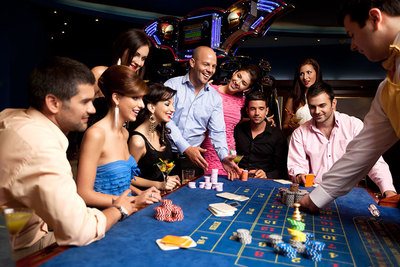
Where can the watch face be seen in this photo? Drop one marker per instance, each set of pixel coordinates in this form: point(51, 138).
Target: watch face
point(124, 213)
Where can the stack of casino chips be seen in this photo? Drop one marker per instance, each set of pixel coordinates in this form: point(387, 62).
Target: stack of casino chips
point(314, 250)
point(274, 239)
point(308, 237)
point(243, 235)
point(168, 212)
point(300, 242)
point(291, 195)
point(300, 247)
point(296, 231)
point(310, 249)
point(286, 250)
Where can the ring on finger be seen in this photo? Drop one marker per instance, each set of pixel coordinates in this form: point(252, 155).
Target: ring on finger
point(151, 195)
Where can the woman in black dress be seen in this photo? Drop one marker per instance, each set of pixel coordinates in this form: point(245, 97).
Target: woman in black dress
point(149, 143)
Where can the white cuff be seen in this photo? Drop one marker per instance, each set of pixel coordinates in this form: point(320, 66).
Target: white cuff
point(320, 197)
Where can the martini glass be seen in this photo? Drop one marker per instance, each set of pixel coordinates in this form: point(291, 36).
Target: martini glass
point(16, 219)
point(237, 159)
point(165, 168)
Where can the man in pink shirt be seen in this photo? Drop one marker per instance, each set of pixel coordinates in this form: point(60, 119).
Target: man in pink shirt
point(317, 144)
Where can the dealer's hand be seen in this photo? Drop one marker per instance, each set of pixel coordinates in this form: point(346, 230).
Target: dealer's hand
point(194, 154)
point(307, 204)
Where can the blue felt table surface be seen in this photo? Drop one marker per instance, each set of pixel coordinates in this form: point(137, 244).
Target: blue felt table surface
point(132, 242)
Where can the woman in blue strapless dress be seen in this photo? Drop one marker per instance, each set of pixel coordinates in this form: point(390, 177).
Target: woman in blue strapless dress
point(105, 168)
point(115, 177)
point(149, 143)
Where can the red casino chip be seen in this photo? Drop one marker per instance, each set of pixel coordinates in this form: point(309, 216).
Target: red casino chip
point(168, 212)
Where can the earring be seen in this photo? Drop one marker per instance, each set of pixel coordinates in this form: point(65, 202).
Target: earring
point(116, 116)
point(153, 125)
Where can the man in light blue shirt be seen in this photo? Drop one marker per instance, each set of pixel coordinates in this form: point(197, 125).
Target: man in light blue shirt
point(198, 109)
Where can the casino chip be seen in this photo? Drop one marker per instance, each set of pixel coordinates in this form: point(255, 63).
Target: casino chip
point(316, 245)
point(313, 254)
point(243, 235)
point(274, 239)
point(291, 195)
point(168, 212)
point(286, 250)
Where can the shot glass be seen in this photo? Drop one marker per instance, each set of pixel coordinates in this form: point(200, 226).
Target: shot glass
point(187, 175)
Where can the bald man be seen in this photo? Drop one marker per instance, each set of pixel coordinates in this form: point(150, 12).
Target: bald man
point(198, 109)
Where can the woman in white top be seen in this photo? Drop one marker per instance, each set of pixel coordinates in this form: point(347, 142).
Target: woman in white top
point(296, 108)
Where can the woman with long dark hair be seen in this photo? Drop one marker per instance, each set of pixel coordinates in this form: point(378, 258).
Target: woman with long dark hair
point(149, 143)
point(296, 108)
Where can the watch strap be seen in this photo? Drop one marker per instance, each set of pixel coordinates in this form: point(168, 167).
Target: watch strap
point(123, 211)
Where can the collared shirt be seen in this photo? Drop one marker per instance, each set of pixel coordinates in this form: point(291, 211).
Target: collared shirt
point(196, 114)
point(375, 138)
point(310, 151)
point(267, 151)
point(35, 173)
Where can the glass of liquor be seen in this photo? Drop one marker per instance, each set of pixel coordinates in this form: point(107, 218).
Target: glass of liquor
point(16, 219)
point(165, 168)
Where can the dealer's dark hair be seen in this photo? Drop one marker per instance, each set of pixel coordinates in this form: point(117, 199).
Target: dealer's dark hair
point(358, 10)
point(59, 76)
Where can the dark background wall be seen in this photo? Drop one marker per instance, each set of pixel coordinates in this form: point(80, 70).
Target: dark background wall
point(31, 31)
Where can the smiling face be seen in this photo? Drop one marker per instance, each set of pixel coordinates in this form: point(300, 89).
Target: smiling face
point(203, 66)
point(239, 82)
point(307, 75)
point(138, 59)
point(164, 110)
point(74, 113)
point(129, 107)
point(322, 109)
